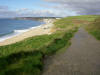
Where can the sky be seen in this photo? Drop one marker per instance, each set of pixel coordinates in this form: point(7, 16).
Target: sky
point(48, 8)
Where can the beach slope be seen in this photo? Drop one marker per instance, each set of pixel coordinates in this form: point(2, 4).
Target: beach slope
point(40, 30)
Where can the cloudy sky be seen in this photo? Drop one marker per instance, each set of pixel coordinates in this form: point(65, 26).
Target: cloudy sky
point(57, 8)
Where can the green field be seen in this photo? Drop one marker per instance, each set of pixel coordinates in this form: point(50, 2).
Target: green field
point(26, 57)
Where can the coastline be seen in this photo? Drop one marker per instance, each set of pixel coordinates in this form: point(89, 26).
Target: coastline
point(39, 30)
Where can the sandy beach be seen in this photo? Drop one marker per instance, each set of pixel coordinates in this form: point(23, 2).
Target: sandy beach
point(40, 30)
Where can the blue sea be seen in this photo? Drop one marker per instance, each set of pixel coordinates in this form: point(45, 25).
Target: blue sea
point(12, 27)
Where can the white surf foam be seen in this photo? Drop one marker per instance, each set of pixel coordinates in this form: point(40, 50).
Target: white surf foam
point(16, 33)
point(21, 31)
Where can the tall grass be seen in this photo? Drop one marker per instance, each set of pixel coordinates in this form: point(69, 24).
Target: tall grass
point(23, 63)
point(94, 28)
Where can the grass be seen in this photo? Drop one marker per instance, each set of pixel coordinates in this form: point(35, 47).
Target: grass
point(22, 64)
point(94, 28)
point(29, 44)
point(26, 57)
point(91, 23)
point(87, 17)
point(58, 43)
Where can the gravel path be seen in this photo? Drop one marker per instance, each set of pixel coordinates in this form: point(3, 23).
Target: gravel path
point(81, 58)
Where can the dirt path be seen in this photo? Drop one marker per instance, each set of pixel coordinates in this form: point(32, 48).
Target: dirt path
point(82, 58)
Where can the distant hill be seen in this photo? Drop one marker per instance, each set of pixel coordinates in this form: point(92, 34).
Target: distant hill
point(36, 18)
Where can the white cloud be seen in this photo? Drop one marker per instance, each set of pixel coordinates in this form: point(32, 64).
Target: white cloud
point(59, 8)
point(55, 10)
point(25, 12)
point(83, 7)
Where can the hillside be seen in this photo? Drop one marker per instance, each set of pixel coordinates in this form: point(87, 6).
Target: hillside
point(36, 18)
point(26, 57)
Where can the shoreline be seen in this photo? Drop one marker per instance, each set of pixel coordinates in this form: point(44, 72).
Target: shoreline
point(16, 33)
point(35, 31)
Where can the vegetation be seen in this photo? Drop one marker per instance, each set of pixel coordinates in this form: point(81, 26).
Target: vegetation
point(26, 57)
point(94, 27)
point(23, 63)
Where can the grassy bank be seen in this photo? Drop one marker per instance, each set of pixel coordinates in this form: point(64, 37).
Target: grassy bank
point(26, 57)
point(94, 28)
point(91, 23)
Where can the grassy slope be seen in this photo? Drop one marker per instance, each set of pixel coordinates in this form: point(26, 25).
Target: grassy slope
point(26, 57)
point(91, 23)
point(94, 28)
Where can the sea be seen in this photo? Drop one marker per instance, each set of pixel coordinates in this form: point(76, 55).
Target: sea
point(13, 27)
